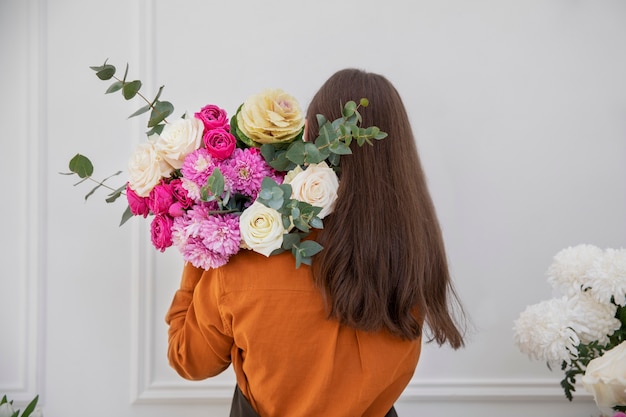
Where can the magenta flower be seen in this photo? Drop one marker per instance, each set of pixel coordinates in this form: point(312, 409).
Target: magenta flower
point(161, 198)
point(245, 171)
point(197, 166)
point(161, 231)
point(220, 234)
point(219, 143)
point(180, 194)
point(213, 117)
point(206, 240)
point(138, 205)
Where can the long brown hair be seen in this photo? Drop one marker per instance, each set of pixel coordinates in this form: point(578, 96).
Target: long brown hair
point(384, 264)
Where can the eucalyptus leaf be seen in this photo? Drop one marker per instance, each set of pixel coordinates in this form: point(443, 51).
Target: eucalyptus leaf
point(126, 215)
point(116, 86)
point(106, 73)
point(160, 111)
point(348, 109)
point(290, 240)
point(131, 89)
point(140, 111)
point(296, 153)
point(311, 154)
point(81, 166)
point(309, 248)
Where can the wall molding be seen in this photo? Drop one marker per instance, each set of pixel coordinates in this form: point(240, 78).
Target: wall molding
point(30, 316)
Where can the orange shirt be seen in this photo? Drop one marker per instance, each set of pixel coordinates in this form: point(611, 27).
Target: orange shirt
point(269, 320)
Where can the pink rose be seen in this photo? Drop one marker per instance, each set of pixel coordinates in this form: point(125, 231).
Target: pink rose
point(161, 231)
point(219, 143)
point(180, 193)
point(160, 198)
point(138, 205)
point(213, 117)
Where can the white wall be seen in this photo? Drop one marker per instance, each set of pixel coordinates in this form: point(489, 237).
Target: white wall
point(520, 113)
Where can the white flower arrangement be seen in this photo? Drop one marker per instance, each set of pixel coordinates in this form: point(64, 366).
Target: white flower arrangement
point(31, 410)
point(585, 327)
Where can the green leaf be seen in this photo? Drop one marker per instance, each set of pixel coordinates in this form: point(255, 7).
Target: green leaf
point(321, 120)
point(290, 240)
point(156, 130)
point(160, 111)
point(81, 166)
point(309, 248)
point(348, 109)
point(312, 155)
point(131, 89)
point(106, 73)
point(117, 85)
point(296, 153)
point(339, 148)
point(126, 215)
point(30, 407)
point(215, 182)
point(4, 399)
point(140, 111)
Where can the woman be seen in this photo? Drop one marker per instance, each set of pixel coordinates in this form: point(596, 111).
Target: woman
point(342, 337)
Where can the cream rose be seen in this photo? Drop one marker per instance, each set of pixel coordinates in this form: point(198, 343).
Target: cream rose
point(605, 378)
point(146, 168)
point(316, 185)
point(178, 139)
point(261, 228)
point(271, 116)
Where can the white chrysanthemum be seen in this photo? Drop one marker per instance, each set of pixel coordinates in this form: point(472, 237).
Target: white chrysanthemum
point(591, 319)
point(569, 267)
point(543, 332)
point(607, 277)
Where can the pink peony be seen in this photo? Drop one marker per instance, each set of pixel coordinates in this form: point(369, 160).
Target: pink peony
point(161, 198)
point(213, 117)
point(138, 205)
point(219, 143)
point(161, 231)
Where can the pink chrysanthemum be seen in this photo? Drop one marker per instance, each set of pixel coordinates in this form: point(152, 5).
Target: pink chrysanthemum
point(197, 166)
point(204, 239)
point(244, 171)
point(220, 234)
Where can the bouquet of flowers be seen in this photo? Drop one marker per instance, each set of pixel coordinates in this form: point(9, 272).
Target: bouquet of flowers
point(584, 329)
point(214, 185)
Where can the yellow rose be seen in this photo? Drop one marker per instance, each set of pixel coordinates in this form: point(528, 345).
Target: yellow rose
point(271, 116)
point(605, 378)
point(146, 168)
point(261, 228)
point(316, 185)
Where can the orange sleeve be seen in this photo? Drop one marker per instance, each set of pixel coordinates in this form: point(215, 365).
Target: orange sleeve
point(197, 349)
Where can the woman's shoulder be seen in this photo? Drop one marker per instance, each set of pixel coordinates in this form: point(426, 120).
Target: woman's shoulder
point(248, 270)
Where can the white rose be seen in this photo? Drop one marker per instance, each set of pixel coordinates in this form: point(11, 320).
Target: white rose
point(146, 168)
point(261, 228)
point(178, 139)
point(316, 185)
point(6, 410)
point(271, 116)
point(605, 378)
